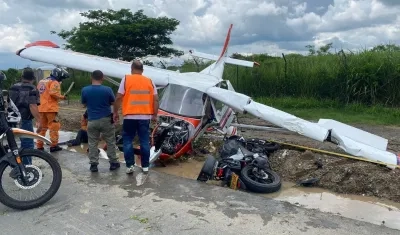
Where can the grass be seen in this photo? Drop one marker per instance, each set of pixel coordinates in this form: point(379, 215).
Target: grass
point(370, 77)
point(312, 109)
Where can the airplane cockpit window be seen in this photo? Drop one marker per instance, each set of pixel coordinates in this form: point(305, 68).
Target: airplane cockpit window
point(182, 100)
point(219, 107)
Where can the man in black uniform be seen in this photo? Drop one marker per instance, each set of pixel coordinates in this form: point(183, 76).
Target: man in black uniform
point(26, 98)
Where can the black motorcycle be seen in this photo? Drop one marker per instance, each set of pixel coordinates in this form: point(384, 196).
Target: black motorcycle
point(243, 164)
point(28, 176)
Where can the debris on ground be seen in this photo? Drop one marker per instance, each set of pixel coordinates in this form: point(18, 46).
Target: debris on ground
point(336, 174)
point(308, 182)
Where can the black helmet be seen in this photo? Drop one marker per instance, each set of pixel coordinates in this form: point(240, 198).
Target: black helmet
point(2, 76)
point(59, 74)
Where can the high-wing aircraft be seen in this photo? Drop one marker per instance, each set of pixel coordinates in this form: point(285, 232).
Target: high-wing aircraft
point(192, 102)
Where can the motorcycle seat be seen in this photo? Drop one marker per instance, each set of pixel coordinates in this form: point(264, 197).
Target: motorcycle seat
point(246, 153)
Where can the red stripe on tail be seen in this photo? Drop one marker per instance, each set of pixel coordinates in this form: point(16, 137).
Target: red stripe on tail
point(228, 36)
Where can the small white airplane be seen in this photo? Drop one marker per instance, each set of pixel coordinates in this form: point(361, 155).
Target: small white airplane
point(185, 97)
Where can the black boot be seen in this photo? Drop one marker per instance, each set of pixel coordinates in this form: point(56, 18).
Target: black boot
point(93, 168)
point(55, 149)
point(114, 166)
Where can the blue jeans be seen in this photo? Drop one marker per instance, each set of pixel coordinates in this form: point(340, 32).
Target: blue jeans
point(129, 129)
point(27, 143)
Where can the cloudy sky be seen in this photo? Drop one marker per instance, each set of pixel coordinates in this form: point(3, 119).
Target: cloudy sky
point(259, 26)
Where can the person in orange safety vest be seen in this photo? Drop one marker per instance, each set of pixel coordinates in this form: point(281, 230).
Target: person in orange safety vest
point(50, 95)
point(138, 95)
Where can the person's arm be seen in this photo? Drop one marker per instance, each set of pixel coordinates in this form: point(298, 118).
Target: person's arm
point(35, 112)
point(34, 101)
point(83, 98)
point(155, 103)
point(111, 96)
point(118, 99)
point(117, 102)
point(55, 91)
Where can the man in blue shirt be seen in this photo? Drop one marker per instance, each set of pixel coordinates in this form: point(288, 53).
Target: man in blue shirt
point(98, 100)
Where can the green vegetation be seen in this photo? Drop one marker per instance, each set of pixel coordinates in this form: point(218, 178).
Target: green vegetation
point(370, 77)
point(121, 35)
point(356, 113)
point(362, 87)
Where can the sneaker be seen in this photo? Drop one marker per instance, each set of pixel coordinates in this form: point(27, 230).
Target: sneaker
point(145, 170)
point(130, 169)
point(93, 168)
point(55, 149)
point(114, 166)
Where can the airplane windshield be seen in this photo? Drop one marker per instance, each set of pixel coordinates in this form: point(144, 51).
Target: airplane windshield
point(182, 100)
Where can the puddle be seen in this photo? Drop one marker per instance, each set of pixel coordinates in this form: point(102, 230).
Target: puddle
point(367, 209)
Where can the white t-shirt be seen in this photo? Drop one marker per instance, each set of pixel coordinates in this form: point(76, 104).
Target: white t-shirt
point(121, 90)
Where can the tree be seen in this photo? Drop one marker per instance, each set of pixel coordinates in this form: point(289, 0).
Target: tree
point(13, 75)
point(311, 49)
point(321, 51)
point(121, 35)
point(385, 48)
point(325, 49)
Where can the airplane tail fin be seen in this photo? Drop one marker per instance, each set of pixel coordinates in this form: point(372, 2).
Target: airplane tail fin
point(217, 68)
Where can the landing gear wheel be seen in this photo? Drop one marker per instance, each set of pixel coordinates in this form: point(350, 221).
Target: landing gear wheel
point(260, 181)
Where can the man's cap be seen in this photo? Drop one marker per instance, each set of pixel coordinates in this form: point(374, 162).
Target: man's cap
point(28, 74)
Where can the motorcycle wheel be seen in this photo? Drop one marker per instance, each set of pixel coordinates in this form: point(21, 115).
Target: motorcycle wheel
point(252, 182)
point(269, 147)
point(208, 170)
point(55, 184)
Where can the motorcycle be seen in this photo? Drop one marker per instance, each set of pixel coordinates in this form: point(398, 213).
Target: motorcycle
point(24, 176)
point(243, 164)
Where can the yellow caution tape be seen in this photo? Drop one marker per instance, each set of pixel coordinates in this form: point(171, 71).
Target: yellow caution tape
point(335, 154)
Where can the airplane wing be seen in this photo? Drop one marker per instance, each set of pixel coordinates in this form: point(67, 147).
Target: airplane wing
point(110, 67)
point(352, 140)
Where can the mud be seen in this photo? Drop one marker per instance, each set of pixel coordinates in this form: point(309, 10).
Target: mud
point(337, 174)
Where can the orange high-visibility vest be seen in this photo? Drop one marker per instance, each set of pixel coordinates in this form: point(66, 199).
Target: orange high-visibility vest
point(139, 95)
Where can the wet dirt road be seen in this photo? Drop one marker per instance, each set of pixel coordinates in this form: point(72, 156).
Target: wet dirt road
point(362, 208)
point(109, 203)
